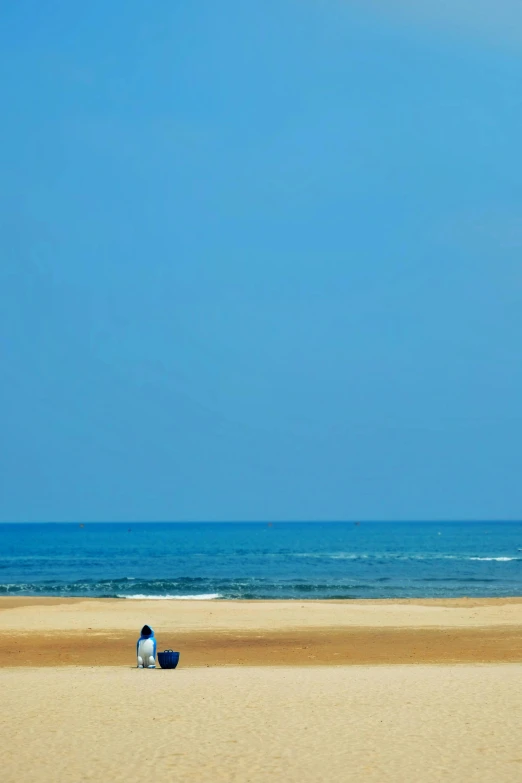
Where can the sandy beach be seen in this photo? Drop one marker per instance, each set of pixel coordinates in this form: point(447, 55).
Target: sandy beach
point(265, 690)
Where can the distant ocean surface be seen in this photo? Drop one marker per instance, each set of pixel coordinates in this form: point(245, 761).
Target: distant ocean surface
point(254, 560)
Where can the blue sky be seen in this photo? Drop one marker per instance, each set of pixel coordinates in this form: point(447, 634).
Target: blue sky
point(260, 260)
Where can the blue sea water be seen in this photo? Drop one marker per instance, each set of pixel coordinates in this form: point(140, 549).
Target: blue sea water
point(254, 560)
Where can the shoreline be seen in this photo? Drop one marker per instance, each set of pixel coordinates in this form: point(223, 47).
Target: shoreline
point(464, 600)
point(56, 632)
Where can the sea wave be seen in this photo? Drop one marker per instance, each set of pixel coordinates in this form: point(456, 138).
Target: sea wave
point(369, 579)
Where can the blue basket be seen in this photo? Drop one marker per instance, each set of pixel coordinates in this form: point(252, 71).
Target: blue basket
point(168, 659)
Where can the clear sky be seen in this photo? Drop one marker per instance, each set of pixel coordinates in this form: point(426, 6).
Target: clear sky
point(261, 260)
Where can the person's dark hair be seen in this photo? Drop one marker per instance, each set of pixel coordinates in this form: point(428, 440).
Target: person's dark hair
point(146, 631)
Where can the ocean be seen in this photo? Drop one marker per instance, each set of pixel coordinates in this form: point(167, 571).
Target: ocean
point(255, 560)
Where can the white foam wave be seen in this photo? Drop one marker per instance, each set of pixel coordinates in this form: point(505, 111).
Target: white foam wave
point(332, 555)
point(397, 556)
point(202, 597)
point(498, 559)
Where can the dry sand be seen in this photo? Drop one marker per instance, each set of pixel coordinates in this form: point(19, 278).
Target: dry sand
point(402, 724)
point(214, 720)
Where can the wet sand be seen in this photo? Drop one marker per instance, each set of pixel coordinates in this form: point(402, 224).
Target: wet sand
point(56, 632)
